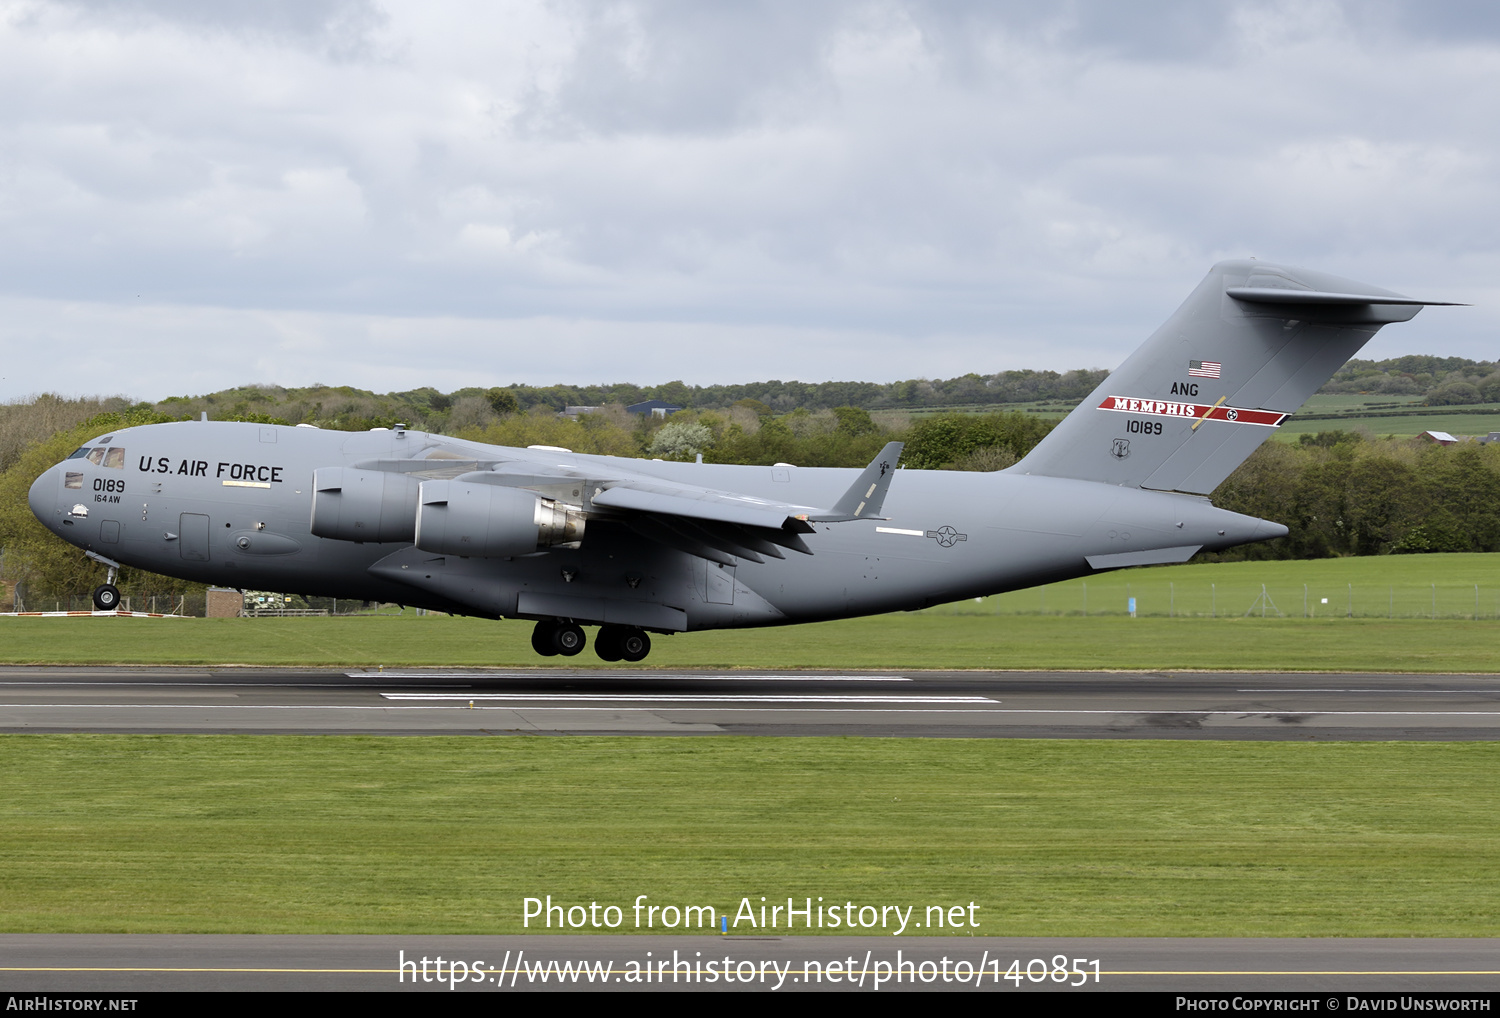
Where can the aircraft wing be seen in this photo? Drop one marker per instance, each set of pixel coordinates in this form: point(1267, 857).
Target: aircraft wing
point(713, 524)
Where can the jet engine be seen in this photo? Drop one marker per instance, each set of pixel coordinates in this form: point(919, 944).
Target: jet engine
point(364, 505)
point(492, 521)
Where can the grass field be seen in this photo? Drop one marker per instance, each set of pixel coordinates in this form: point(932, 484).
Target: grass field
point(345, 834)
point(1347, 402)
point(1403, 426)
point(1188, 617)
point(1380, 415)
point(1384, 587)
point(1383, 415)
point(331, 834)
point(904, 642)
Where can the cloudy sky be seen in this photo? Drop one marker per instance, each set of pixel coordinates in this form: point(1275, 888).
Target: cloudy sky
point(391, 194)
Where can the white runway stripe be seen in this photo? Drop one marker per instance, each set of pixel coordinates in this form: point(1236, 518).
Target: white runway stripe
point(462, 704)
point(633, 676)
point(515, 708)
point(1491, 689)
point(682, 698)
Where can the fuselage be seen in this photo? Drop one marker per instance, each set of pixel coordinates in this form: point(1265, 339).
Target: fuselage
point(232, 504)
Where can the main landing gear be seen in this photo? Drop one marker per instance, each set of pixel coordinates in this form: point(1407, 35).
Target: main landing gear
point(621, 643)
point(614, 643)
point(552, 638)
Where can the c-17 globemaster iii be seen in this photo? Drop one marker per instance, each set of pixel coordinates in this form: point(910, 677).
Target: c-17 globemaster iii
point(643, 546)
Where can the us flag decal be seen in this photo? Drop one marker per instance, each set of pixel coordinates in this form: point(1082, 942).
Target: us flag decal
point(1163, 408)
point(1205, 369)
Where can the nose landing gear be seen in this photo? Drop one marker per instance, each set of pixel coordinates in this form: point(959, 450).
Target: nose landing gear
point(107, 596)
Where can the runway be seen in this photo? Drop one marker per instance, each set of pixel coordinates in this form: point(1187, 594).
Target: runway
point(1256, 706)
point(1089, 705)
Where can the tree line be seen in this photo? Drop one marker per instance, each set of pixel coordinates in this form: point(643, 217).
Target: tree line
point(426, 408)
point(1441, 381)
point(1340, 493)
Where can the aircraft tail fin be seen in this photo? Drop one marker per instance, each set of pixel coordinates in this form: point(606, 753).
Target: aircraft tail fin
point(1239, 357)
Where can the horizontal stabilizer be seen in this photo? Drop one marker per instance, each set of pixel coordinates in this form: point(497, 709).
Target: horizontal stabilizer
point(1279, 295)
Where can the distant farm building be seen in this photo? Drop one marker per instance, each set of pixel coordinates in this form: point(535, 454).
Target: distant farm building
point(1440, 437)
point(654, 407)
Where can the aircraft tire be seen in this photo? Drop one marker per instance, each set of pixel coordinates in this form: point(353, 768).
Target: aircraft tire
point(569, 639)
point(107, 597)
point(607, 643)
point(542, 639)
point(634, 645)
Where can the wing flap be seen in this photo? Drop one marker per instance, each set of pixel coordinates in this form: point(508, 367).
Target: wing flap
point(654, 529)
point(702, 504)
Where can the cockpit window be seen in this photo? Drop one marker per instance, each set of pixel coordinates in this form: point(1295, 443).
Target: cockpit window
point(113, 457)
point(82, 451)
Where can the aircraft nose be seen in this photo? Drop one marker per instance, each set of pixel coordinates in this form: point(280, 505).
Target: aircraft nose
point(43, 495)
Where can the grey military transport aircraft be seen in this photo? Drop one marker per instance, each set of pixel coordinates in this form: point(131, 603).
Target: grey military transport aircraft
point(643, 546)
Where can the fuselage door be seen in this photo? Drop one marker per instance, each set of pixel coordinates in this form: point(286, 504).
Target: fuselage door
point(718, 582)
point(193, 537)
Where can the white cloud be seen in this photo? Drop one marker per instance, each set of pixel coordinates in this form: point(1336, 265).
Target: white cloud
point(416, 193)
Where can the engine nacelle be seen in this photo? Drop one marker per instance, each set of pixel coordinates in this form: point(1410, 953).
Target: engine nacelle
point(491, 521)
point(364, 505)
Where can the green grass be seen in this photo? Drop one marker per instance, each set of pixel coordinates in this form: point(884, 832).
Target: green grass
point(217, 834)
point(1398, 416)
point(1351, 402)
point(1381, 415)
point(1402, 426)
point(1453, 586)
point(1189, 617)
point(904, 642)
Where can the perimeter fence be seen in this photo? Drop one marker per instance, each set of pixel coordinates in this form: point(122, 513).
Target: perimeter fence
point(193, 604)
point(166, 604)
point(1116, 596)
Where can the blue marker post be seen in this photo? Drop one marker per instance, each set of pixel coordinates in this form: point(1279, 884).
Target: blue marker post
point(1132, 607)
point(723, 926)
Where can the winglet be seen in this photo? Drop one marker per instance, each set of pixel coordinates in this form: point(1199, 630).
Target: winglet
point(865, 497)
